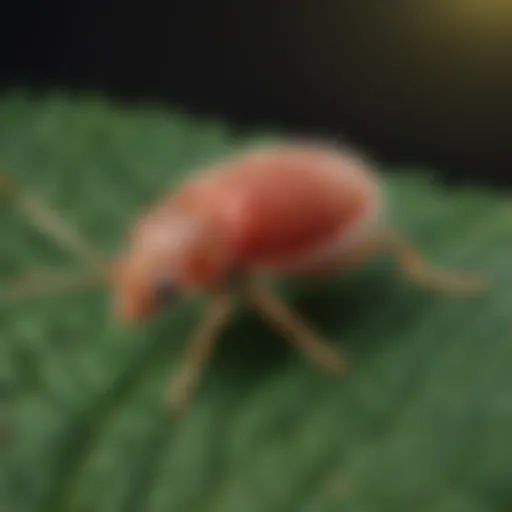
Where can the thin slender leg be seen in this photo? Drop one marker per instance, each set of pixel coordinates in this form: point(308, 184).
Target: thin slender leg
point(48, 221)
point(48, 282)
point(276, 312)
point(181, 385)
point(418, 270)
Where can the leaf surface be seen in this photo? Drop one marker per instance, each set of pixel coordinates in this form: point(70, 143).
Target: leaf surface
point(423, 421)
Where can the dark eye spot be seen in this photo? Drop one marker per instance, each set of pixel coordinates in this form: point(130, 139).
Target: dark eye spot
point(165, 290)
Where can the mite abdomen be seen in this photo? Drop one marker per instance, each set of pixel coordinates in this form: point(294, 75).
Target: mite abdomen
point(286, 206)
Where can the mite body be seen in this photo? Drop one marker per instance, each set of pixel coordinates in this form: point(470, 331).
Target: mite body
point(288, 210)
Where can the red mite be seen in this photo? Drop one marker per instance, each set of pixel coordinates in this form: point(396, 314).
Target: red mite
point(286, 210)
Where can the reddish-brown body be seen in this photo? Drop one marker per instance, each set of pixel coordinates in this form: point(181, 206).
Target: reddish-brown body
point(271, 207)
point(284, 209)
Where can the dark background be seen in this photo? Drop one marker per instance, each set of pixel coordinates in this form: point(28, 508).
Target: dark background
point(424, 82)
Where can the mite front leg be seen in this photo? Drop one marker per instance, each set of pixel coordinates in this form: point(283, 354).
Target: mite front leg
point(295, 330)
point(49, 282)
point(199, 348)
point(41, 216)
point(421, 272)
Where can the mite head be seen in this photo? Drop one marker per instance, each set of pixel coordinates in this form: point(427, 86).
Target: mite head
point(167, 257)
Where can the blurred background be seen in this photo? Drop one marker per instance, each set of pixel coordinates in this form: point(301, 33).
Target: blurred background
point(426, 82)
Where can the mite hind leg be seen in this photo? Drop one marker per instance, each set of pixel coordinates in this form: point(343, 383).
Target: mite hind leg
point(414, 267)
point(424, 274)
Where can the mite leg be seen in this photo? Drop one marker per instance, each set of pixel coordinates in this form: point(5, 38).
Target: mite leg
point(296, 331)
point(418, 270)
point(48, 282)
point(49, 222)
point(199, 349)
point(413, 265)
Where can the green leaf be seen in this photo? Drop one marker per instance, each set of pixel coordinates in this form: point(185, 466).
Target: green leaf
point(423, 421)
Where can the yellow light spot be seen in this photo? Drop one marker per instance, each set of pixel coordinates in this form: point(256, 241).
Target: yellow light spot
point(479, 13)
